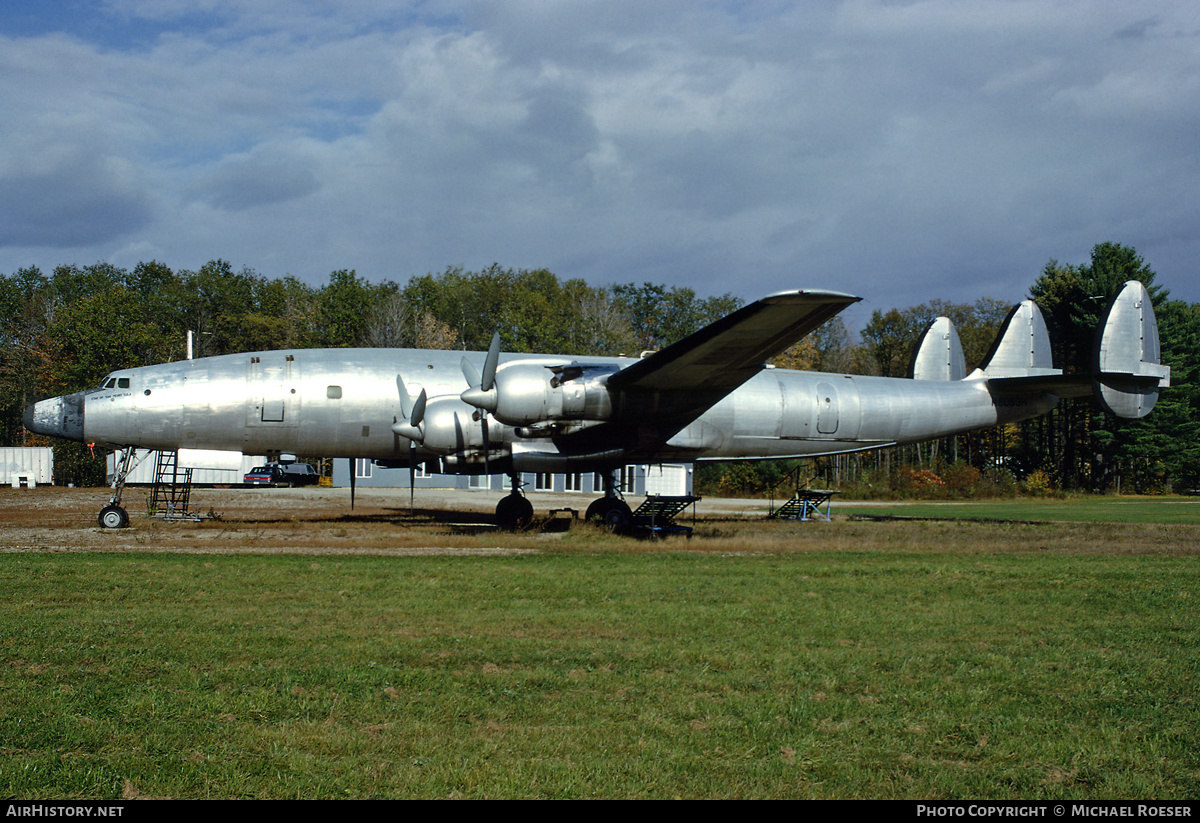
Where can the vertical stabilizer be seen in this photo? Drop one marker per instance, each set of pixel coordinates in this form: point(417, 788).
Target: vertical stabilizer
point(1128, 363)
point(939, 355)
point(1022, 348)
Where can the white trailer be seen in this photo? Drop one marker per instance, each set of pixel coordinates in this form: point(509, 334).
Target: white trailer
point(143, 473)
point(26, 465)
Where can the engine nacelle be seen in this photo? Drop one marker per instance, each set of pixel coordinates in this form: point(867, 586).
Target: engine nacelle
point(527, 393)
point(453, 427)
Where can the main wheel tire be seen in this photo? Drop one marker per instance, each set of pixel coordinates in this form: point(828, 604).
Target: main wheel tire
point(614, 514)
point(113, 516)
point(514, 512)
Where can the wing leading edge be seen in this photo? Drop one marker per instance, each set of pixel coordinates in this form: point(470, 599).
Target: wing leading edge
point(727, 353)
point(680, 382)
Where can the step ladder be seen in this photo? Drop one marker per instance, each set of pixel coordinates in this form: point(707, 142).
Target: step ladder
point(172, 490)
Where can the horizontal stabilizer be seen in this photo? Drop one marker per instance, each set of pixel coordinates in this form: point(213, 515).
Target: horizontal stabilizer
point(939, 355)
point(1128, 361)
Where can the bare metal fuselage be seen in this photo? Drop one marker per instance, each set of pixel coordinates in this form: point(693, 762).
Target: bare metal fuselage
point(706, 397)
point(343, 402)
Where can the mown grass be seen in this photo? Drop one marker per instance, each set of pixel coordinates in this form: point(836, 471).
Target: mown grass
point(895, 666)
point(1080, 509)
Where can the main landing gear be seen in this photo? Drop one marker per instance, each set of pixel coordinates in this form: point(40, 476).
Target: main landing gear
point(514, 512)
point(611, 510)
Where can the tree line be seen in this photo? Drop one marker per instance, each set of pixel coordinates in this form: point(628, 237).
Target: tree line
point(63, 331)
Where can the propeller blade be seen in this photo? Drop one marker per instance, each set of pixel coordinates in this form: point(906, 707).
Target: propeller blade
point(412, 474)
point(414, 414)
point(418, 410)
point(487, 446)
point(481, 391)
point(490, 363)
point(470, 373)
point(405, 400)
point(411, 428)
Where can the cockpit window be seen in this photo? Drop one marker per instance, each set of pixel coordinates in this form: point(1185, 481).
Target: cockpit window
point(122, 382)
point(115, 383)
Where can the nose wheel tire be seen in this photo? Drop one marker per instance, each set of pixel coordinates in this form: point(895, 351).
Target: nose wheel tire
point(113, 516)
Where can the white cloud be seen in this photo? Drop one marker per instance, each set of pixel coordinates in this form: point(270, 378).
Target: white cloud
point(899, 150)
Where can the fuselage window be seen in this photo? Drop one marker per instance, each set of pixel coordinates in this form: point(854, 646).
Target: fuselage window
point(333, 392)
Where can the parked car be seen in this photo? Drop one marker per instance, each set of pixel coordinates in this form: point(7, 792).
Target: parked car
point(282, 474)
point(259, 476)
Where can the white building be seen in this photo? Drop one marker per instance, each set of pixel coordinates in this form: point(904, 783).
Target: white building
point(662, 479)
point(27, 466)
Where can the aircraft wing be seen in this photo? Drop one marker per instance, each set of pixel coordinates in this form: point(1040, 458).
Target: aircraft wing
point(688, 377)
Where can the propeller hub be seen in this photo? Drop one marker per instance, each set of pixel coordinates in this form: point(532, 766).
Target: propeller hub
point(407, 430)
point(480, 398)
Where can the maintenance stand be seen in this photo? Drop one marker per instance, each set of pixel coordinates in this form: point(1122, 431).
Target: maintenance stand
point(806, 504)
point(656, 516)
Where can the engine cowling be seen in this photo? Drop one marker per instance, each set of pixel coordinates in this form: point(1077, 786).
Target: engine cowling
point(529, 393)
point(453, 427)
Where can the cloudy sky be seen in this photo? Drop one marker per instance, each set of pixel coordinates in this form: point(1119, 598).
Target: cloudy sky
point(897, 150)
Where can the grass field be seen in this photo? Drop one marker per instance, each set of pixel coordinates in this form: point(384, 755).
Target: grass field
point(824, 660)
point(1092, 509)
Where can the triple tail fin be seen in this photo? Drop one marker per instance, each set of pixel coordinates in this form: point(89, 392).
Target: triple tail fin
point(1127, 372)
point(939, 355)
point(1022, 348)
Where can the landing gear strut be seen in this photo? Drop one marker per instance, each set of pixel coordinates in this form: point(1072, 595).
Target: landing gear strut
point(514, 511)
point(611, 510)
point(113, 516)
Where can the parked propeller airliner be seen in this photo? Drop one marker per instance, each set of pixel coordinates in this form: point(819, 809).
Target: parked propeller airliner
point(706, 397)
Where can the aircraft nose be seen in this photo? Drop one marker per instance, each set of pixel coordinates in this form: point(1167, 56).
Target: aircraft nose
point(57, 417)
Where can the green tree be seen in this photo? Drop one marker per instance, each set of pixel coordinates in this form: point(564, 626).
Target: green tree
point(1079, 443)
point(342, 308)
point(660, 316)
point(26, 306)
point(532, 309)
point(1161, 452)
point(891, 337)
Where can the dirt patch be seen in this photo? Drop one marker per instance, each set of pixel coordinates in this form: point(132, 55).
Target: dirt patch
point(320, 521)
point(305, 521)
point(311, 520)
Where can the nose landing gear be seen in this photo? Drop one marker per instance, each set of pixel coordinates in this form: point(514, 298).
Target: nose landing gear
point(114, 516)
